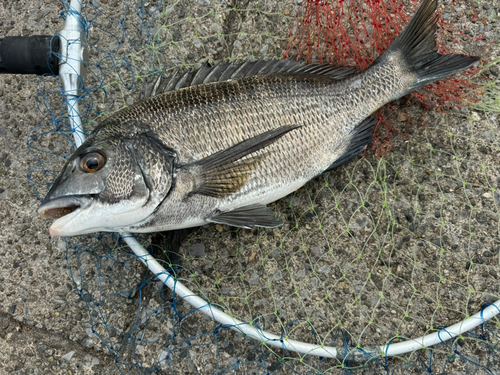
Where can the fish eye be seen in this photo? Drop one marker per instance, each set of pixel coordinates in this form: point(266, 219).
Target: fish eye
point(92, 162)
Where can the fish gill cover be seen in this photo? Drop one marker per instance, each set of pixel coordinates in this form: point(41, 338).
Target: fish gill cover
point(383, 250)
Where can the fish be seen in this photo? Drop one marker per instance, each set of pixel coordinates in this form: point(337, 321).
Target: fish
point(219, 144)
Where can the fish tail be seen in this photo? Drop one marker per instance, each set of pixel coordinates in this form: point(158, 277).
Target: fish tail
point(416, 45)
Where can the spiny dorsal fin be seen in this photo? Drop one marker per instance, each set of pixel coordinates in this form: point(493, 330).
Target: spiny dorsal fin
point(224, 173)
point(226, 71)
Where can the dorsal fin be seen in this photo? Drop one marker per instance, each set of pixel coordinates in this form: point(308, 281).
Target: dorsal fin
point(226, 71)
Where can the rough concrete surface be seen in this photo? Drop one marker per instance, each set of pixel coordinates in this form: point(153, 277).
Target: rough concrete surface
point(380, 248)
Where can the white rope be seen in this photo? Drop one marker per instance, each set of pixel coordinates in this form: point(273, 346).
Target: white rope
point(301, 347)
point(71, 71)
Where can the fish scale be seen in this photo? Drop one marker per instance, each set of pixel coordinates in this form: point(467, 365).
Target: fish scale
point(200, 128)
point(219, 144)
point(317, 106)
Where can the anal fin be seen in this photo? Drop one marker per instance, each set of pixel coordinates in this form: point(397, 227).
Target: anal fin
point(362, 135)
point(254, 215)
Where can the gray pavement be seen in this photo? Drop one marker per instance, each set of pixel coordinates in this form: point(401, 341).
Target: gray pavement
point(47, 328)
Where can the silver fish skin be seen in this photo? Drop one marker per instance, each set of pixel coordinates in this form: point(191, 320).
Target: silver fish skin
point(237, 138)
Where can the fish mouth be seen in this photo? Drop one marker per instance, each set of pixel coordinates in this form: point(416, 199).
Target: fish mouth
point(63, 206)
point(64, 209)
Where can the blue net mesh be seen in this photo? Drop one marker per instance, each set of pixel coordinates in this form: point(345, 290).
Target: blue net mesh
point(376, 253)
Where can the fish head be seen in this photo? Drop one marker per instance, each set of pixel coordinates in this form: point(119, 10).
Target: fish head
point(109, 184)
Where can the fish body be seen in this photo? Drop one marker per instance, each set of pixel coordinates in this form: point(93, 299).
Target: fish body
point(201, 121)
point(221, 149)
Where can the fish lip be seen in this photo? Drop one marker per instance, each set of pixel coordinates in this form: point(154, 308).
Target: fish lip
point(78, 202)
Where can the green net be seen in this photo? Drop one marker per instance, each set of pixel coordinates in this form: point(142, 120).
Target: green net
point(378, 252)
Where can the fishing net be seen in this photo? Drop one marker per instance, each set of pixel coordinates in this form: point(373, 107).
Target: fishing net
point(380, 251)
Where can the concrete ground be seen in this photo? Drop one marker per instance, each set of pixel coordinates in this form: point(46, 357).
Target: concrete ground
point(50, 304)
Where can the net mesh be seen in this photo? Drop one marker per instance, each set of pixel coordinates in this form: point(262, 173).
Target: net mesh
point(355, 33)
point(380, 251)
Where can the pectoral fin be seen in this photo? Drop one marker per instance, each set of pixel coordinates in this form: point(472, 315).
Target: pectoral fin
point(254, 215)
point(224, 172)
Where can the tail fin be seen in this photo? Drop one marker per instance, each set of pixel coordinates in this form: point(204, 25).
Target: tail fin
point(417, 45)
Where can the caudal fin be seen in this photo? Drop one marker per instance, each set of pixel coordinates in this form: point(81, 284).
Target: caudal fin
point(417, 46)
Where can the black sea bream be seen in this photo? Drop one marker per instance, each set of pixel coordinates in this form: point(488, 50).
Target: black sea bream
point(237, 138)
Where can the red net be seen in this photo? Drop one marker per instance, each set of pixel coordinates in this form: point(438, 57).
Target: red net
point(355, 33)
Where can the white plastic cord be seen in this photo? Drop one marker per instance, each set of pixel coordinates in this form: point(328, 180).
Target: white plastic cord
point(71, 71)
point(318, 350)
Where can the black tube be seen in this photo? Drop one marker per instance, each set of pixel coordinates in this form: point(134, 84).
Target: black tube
point(29, 55)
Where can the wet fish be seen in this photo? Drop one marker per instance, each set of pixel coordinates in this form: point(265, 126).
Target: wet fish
point(219, 144)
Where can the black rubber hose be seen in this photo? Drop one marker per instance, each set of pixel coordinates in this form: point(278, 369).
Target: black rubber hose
point(29, 55)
